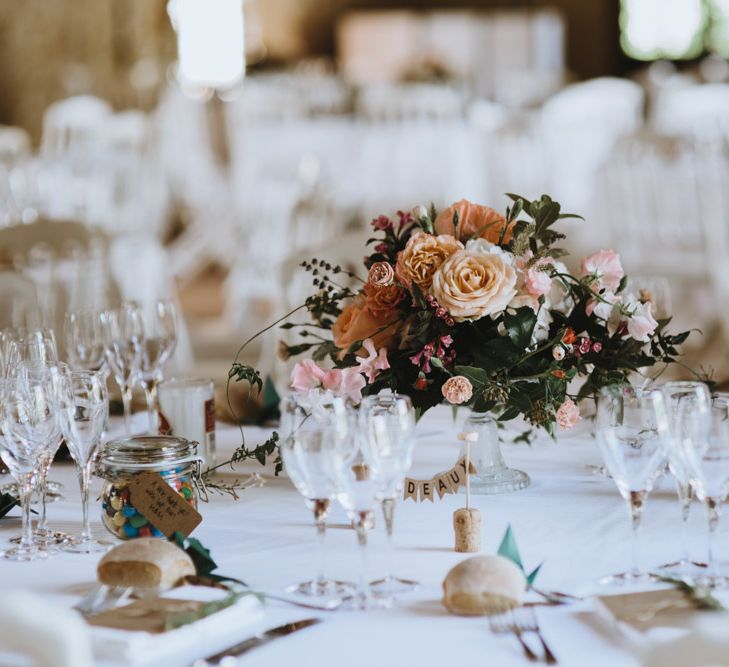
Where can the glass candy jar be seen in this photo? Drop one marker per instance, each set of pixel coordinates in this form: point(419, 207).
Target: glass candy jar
point(174, 459)
point(492, 474)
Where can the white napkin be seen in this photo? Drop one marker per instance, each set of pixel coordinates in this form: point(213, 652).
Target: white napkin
point(48, 634)
point(121, 646)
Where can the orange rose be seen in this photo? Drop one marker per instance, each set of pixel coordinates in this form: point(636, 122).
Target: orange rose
point(422, 256)
point(357, 322)
point(473, 220)
point(382, 301)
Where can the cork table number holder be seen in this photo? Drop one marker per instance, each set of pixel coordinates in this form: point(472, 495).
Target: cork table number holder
point(467, 520)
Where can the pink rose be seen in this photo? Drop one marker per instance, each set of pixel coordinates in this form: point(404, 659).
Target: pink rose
point(537, 281)
point(457, 389)
point(605, 267)
point(642, 324)
point(381, 274)
point(373, 363)
point(568, 414)
point(307, 375)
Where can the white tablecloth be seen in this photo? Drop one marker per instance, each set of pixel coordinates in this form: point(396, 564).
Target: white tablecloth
point(571, 520)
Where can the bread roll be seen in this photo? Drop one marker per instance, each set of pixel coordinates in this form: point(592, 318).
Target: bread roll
point(146, 562)
point(483, 585)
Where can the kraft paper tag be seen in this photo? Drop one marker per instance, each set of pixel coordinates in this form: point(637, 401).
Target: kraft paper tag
point(167, 511)
point(442, 485)
point(150, 614)
point(410, 488)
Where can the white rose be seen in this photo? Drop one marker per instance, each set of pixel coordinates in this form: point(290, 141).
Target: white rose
point(471, 284)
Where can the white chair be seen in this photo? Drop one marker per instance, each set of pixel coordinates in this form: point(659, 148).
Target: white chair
point(578, 127)
point(73, 124)
point(699, 111)
point(649, 201)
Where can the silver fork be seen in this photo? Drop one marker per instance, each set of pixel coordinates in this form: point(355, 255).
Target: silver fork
point(525, 619)
point(503, 624)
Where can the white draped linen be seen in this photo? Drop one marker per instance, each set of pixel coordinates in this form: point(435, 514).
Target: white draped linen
point(572, 521)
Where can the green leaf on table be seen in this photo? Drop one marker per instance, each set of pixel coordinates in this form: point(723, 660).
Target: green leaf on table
point(509, 549)
point(201, 558)
point(7, 502)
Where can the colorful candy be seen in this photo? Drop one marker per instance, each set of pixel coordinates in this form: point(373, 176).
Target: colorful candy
point(123, 519)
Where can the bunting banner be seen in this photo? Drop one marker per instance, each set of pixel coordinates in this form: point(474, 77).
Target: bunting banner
point(438, 485)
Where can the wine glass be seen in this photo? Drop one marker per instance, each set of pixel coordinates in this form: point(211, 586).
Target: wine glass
point(29, 422)
point(123, 338)
point(677, 394)
point(160, 336)
point(704, 443)
point(54, 375)
point(359, 485)
point(83, 414)
point(35, 345)
point(633, 434)
point(388, 422)
point(84, 340)
point(309, 428)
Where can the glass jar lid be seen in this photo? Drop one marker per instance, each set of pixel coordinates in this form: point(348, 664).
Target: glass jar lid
point(146, 451)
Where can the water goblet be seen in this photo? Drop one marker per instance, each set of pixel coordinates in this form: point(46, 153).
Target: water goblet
point(123, 332)
point(29, 421)
point(83, 414)
point(309, 427)
point(632, 433)
point(388, 422)
point(160, 337)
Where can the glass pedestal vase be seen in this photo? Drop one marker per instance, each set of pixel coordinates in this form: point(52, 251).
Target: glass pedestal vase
point(492, 474)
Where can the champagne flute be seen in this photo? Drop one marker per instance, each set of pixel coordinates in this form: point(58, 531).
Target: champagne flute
point(704, 443)
point(633, 435)
point(83, 414)
point(123, 338)
point(84, 340)
point(677, 394)
point(29, 421)
point(309, 426)
point(388, 422)
point(160, 337)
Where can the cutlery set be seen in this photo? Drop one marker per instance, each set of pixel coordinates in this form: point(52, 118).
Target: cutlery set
point(519, 622)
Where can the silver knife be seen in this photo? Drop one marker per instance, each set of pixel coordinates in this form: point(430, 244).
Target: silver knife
point(255, 642)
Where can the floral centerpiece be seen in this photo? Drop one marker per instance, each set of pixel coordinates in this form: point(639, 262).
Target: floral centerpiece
point(476, 309)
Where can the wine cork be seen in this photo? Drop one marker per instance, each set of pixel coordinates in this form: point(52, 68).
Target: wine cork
point(467, 525)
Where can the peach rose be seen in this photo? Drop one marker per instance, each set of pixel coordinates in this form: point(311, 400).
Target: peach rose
point(357, 322)
point(381, 274)
point(472, 284)
point(472, 218)
point(422, 256)
point(457, 389)
point(382, 301)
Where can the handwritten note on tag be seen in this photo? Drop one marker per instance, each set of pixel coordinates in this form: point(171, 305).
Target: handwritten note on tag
point(161, 505)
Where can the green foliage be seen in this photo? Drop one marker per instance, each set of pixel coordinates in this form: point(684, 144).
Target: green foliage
point(509, 549)
point(7, 502)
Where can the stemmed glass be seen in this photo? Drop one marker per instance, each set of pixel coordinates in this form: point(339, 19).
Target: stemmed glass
point(310, 426)
point(704, 444)
point(678, 395)
point(633, 435)
point(29, 422)
point(123, 338)
point(54, 375)
point(359, 483)
point(83, 414)
point(388, 422)
point(84, 340)
point(160, 336)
